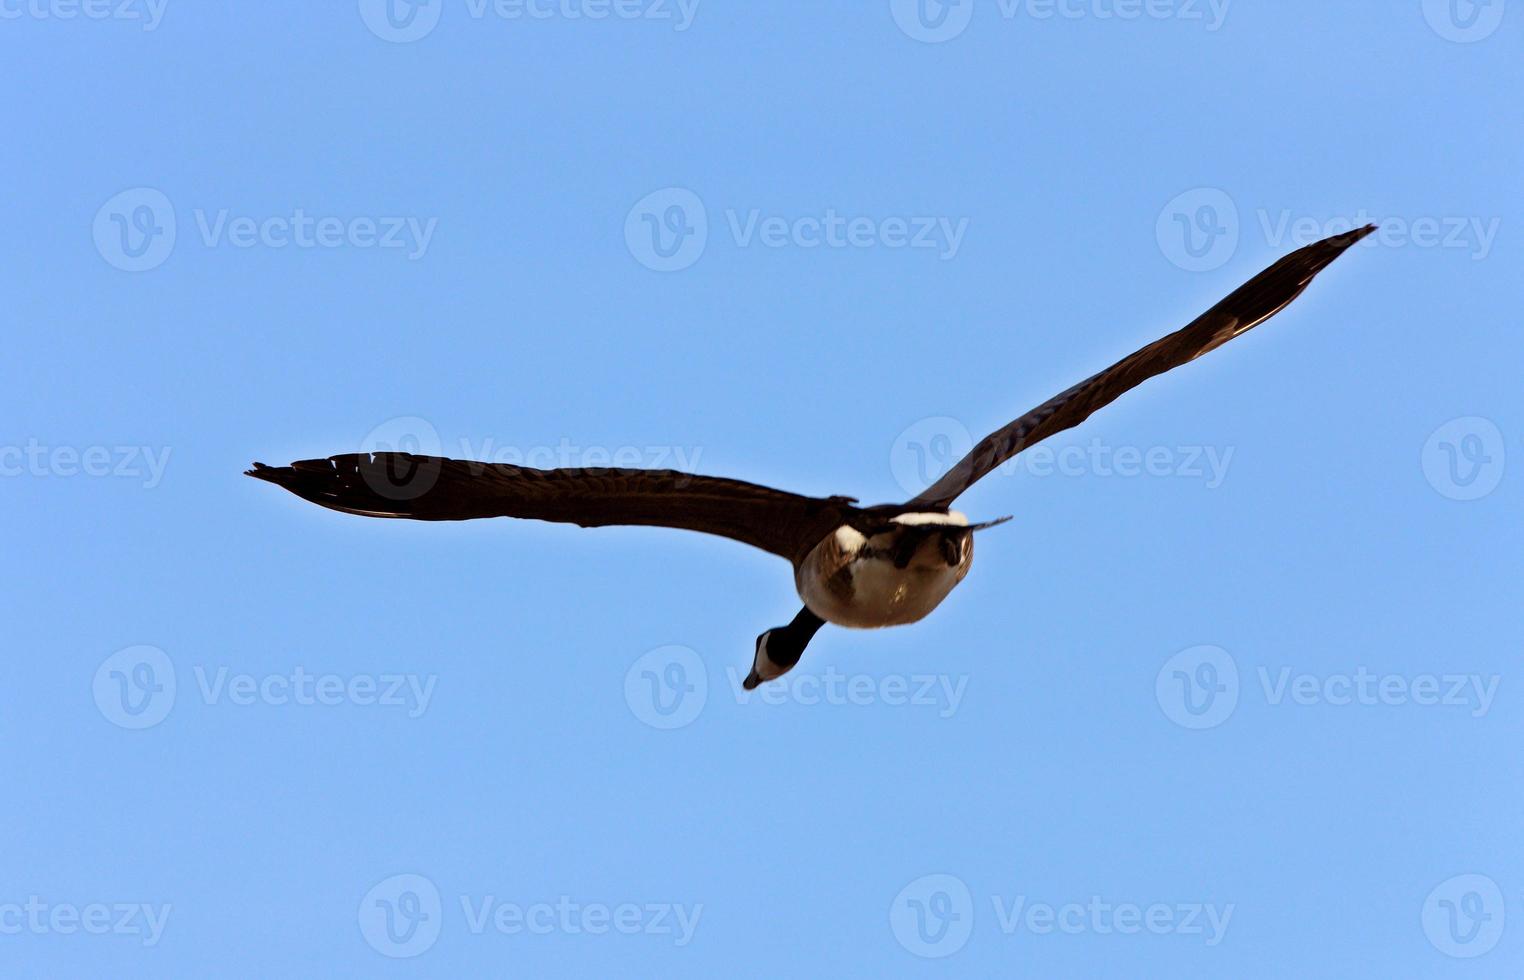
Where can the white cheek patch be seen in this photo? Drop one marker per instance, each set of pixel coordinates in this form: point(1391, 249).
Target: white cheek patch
point(952, 518)
point(763, 664)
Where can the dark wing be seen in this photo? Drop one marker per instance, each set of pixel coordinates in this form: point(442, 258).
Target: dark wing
point(1250, 305)
point(430, 488)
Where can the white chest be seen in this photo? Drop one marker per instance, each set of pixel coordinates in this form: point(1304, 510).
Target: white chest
point(871, 590)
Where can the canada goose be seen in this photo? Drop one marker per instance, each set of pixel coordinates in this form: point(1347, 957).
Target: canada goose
point(860, 567)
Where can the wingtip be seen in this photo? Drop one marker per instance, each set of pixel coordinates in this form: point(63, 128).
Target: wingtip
point(1351, 237)
point(1319, 255)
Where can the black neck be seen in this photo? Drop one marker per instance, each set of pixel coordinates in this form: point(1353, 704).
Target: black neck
point(788, 642)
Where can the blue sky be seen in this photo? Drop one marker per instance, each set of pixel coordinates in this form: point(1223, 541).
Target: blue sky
point(1235, 694)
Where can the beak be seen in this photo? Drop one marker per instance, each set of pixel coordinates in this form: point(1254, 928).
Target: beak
point(752, 681)
point(989, 524)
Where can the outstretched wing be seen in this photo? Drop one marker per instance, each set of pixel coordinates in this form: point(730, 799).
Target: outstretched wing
point(431, 488)
point(1250, 305)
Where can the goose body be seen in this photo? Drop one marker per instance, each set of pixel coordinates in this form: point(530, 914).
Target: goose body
point(858, 567)
point(893, 578)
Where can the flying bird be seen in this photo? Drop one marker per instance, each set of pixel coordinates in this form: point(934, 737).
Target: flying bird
point(858, 567)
